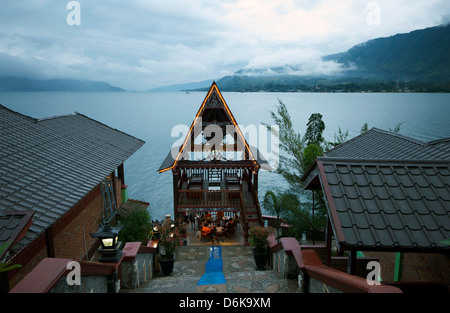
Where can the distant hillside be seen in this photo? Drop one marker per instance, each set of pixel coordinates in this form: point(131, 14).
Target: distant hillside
point(419, 60)
point(286, 83)
point(27, 84)
point(419, 55)
point(186, 86)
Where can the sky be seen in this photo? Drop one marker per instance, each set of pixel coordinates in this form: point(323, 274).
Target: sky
point(143, 44)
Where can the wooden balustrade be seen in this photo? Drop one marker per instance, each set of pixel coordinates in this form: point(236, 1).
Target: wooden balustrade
point(209, 198)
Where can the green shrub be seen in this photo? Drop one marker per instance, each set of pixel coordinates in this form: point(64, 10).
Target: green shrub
point(137, 223)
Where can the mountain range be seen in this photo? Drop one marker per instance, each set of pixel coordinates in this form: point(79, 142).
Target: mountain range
point(8, 83)
point(415, 61)
point(419, 60)
point(419, 55)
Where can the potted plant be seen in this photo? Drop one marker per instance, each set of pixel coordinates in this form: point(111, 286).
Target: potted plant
point(182, 227)
point(170, 240)
point(258, 241)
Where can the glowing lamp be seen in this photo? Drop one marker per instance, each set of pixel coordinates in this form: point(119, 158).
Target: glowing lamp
point(110, 245)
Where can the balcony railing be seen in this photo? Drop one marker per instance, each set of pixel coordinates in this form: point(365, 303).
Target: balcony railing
point(209, 199)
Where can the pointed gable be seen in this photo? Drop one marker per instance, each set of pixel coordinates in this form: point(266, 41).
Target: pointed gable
point(213, 112)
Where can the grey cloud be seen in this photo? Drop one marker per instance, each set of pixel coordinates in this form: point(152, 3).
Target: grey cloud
point(141, 44)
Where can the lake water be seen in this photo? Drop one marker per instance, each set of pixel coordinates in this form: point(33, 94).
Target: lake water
point(151, 117)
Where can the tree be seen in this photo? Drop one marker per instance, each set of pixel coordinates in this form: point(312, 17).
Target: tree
point(310, 153)
point(339, 138)
point(396, 129)
point(364, 128)
point(280, 203)
point(296, 157)
point(303, 221)
point(314, 130)
point(291, 165)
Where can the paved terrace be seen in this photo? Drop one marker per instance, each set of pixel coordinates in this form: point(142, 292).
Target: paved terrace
point(238, 269)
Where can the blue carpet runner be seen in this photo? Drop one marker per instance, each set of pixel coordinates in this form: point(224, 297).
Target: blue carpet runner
point(214, 268)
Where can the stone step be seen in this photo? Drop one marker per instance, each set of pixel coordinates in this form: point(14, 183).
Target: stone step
point(238, 269)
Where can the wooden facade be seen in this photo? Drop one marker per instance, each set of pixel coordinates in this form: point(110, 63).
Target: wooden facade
point(215, 169)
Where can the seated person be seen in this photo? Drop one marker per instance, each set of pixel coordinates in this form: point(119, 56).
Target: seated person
point(208, 217)
point(206, 229)
point(201, 221)
point(219, 229)
point(230, 223)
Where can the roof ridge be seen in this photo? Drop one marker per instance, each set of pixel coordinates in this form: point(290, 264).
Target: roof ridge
point(33, 119)
point(382, 161)
point(388, 132)
point(45, 118)
point(437, 141)
point(88, 118)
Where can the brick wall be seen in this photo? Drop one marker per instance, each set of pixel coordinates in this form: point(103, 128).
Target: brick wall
point(70, 233)
point(74, 239)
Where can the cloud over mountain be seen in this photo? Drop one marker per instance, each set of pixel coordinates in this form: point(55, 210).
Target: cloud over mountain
point(144, 44)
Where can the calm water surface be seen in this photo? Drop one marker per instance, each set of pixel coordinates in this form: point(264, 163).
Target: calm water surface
point(151, 117)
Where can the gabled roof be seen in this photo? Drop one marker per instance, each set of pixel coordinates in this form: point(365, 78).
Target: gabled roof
point(48, 165)
point(381, 144)
point(388, 204)
point(386, 191)
point(213, 111)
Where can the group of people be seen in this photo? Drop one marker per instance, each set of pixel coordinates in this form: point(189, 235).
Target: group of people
point(215, 227)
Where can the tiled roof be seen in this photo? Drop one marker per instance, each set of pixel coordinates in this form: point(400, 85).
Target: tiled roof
point(386, 191)
point(380, 144)
point(388, 204)
point(48, 165)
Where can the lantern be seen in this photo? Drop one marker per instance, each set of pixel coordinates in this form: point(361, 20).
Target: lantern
point(110, 245)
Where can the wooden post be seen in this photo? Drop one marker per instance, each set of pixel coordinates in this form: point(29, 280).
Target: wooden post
point(49, 239)
point(313, 238)
point(113, 181)
point(176, 179)
point(329, 241)
point(255, 181)
point(351, 264)
point(123, 187)
point(121, 173)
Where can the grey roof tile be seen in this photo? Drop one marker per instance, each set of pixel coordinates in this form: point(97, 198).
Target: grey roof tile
point(380, 144)
point(48, 165)
point(390, 203)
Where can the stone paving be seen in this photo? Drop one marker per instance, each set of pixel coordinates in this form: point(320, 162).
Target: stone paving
point(238, 268)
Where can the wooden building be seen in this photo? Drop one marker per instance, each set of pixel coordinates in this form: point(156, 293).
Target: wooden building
point(215, 169)
point(51, 175)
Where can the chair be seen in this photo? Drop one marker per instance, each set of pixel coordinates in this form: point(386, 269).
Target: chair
point(231, 231)
point(223, 234)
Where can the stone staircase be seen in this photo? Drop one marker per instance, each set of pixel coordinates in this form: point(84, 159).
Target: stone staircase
point(252, 215)
point(238, 269)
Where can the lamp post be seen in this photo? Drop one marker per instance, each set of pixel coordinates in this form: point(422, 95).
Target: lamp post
point(110, 245)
